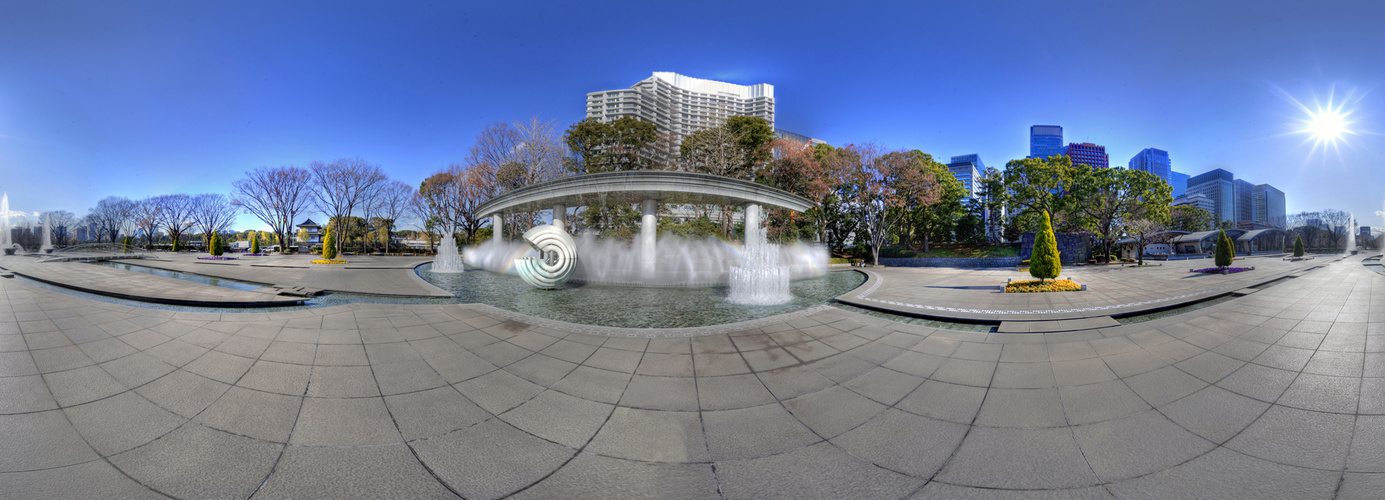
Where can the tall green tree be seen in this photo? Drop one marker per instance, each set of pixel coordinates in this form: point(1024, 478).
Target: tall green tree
point(1044, 262)
point(1105, 197)
point(622, 144)
point(1042, 185)
point(1298, 246)
point(255, 243)
point(1191, 219)
point(940, 219)
point(215, 245)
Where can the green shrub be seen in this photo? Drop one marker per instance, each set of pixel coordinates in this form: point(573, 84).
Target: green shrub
point(1046, 260)
point(215, 245)
point(328, 250)
point(1226, 250)
point(254, 243)
point(1298, 246)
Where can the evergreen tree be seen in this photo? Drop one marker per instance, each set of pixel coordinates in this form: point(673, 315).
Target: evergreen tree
point(215, 245)
point(1226, 250)
point(255, 243)
point(328, 252)
point(1298, 246)
point(1044, 263)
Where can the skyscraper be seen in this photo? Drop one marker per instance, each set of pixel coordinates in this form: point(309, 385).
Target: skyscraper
point(680, 105)
point(1179, 181)
point(1219, 186)
point(1045, 141)
point(1245, 200)
point(967, 169)
point(1154, 161)
point(1088, 154)
point(1269, 206)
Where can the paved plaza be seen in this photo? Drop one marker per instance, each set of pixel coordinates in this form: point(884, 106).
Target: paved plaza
point(1276, 394)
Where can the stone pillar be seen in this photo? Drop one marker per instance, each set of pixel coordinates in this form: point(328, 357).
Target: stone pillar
point(498, 227)
point(560, 216)
point(649, 230)
point(752, 222)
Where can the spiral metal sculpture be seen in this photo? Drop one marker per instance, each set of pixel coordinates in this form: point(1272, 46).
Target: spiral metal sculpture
point(557, 257)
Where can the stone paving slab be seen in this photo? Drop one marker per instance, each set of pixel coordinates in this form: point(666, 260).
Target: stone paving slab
point(973, 295)
point(1272, 395)
point(137, 286)
point(362, 274)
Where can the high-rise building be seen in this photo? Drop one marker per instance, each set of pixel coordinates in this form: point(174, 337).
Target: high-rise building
point(1045, 141)
point(1154, 161)
point(680, 105)
point(1089, 154)
point(1244, 193)
point(1218, 186)
point(967, 169)
point(1198, 200)
point(1179, 180)
point(1269, 206)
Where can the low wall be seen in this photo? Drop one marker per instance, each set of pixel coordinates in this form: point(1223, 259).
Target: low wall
point(952, 262)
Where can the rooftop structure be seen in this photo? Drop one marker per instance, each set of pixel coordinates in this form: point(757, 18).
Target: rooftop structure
point(1154, 161)
point(680, 105)
point(1045, 141)
point(967, 169)
point(1089, 154)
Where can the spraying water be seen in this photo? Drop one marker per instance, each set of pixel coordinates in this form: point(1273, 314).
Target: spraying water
point(678, 262)
point(47, 245)
point(447, 260)
point(5, 221)
point(1351, 236)
point(760, 280)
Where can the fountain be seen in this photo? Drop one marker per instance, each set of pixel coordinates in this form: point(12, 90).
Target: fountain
point(760, 280)
point(1350, 249)
point(5, 225)
point(47, 245)
point(447, 260)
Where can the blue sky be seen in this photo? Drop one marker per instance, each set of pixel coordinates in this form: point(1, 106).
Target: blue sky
point(148, 98)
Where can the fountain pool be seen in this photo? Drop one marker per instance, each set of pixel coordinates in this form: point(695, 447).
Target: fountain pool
point(599, 305)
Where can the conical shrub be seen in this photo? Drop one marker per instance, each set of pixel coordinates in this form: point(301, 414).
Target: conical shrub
point(1298, 246)
point(255, 243)
point(1044, 263)
point(329, 251)
point(1226, 250)
point(216, 245)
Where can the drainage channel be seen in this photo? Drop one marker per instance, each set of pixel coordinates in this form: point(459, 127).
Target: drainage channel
point(915, 320)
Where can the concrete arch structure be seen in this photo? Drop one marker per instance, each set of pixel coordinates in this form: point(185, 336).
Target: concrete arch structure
point(662, 186)
point(648, 188)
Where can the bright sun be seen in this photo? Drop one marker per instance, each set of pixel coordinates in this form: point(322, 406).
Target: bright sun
point(1327, 125)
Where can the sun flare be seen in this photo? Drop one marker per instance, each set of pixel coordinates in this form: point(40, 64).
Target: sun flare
point(1327, 125)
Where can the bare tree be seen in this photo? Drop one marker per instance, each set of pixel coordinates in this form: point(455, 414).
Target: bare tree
point(342, 186)
point(1145, 232)
point(177, 216)
point(111, 216)
point(395, 201)
point(149, 218)
point(276, 196)
point(540, 151)
point(212, 212)
point(60, 223)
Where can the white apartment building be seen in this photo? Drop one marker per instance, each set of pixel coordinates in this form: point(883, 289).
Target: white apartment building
point(680, 105)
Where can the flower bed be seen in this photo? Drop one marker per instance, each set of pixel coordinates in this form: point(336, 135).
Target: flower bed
point(1034, 286)
point(254, 255)
point(1221, 270)
point(333, 261)
point(216, 258)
